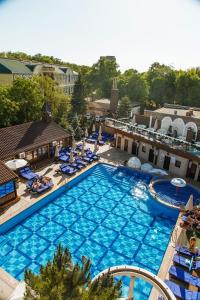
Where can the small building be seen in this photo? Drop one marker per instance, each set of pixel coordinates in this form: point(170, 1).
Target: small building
point(182, 121)
point(65, 77)
point(100, 107)
point(10, 69)
point(8, 190)
point(32, 141)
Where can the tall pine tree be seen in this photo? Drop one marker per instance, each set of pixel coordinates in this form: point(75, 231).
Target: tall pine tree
point(61, 279)
point(78, 102)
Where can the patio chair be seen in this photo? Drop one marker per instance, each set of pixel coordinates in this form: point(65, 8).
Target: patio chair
point(181, 292)
point(186, 263)
point(185, 251)
point(101, 143)
point(91, 140)
point(64, 157)
point(27, 173)
point(66, 169)
point(184, 276)
point(93, 156)
point(87, 159)
point(76, 166)
point(81, 162)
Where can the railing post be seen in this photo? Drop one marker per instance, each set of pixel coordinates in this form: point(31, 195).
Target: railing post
point(131, 288)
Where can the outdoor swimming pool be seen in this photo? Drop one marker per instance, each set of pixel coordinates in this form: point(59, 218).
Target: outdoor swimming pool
point(106, 214)
point(168, 193)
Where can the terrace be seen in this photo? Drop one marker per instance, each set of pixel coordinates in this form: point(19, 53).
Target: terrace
point(157, 137)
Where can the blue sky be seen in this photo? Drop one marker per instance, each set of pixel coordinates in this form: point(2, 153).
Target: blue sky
point(137, 32)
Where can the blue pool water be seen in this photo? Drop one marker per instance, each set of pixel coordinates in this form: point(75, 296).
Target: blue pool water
point(106, 214)
point(168, 193)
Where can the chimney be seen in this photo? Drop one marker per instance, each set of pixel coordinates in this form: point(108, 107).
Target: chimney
point(114, 97)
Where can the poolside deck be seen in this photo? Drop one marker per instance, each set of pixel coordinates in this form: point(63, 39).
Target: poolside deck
point(107, 154)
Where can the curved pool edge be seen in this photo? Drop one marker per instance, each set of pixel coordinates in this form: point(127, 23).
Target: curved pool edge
point(157, 198)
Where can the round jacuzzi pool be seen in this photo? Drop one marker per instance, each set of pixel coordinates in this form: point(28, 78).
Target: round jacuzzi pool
point(169, 194)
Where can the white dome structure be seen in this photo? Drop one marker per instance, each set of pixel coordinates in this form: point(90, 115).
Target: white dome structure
point(146, 167)
point(134, 163)
point(158, 172)
point(166, 123)
point(178, 125)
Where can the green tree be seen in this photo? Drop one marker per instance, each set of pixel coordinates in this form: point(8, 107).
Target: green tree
point(8, 108)
point(134, 85)
point(101, 76)
point(60, 103)
point(124, 108)
point(188, 87)
point(162, 84)
point(78, 98)
point(25, 92)
point(61, 279)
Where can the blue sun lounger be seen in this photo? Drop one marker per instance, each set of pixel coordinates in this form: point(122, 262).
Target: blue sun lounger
point(81, 162)
point(93, 156)
point(64, 157)
point(184, 276)
point(185, 251)
point(27, 173)
point(89, 160)
point(181, 292)
point(67, 169)
point(76, 166)
point(186, 262)
point(41, 189)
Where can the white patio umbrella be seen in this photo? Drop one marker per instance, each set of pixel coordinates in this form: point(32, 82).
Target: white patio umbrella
point(189, 205)
point(15, 164)
point(86, 132)
point(155, 124)
point(93, 128)
point(73, 144)
point(134, 163)
point(178, 183)
point(150, 121)
point(57, 149)
point(71, 158)
point(83, 148)
point(133, 120)
point(100, 132)
point(96, 148)
point(83, 144)
point(146, 167)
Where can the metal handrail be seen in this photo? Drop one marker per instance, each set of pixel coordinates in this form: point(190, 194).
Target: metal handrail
point(136, 272)
point(154, 135)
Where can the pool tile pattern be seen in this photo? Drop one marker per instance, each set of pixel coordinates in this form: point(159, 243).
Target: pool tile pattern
point(106, 216)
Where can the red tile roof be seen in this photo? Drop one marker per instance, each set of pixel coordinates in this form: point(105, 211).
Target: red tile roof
point(6, 174)
point(28, 136)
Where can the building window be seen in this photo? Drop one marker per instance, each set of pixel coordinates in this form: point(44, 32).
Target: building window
point(178, 163)
point(144, 149)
